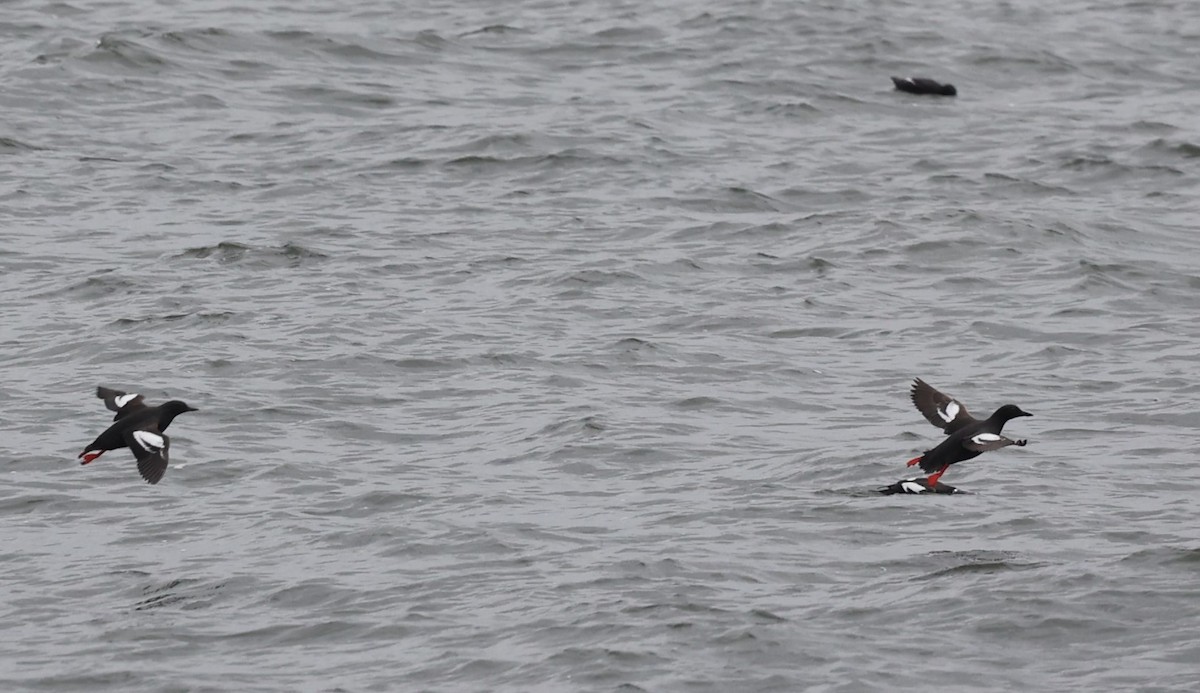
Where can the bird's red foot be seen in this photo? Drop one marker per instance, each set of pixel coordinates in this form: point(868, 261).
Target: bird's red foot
point(933, 478)
point(913, 461)
point(89, 456)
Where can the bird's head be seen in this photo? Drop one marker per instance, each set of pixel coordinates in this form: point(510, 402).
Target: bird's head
point(1009, 411)
point(175, 407)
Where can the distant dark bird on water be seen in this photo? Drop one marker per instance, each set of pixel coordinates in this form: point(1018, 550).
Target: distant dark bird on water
point(968, 437)
point(924, 85)
point(139, 428)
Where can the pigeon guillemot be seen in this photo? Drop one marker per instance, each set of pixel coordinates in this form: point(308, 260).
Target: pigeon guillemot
point(924, 85)
point(918, 485)
point(968, 436)
point(139, 428)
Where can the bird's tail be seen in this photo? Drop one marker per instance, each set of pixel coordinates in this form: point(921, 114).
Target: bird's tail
point(926, 464)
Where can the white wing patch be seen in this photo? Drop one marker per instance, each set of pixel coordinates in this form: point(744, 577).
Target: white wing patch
point(985, 438)
point(151, 441)
point(124, 399)
point(912, 487)
point(950, 411)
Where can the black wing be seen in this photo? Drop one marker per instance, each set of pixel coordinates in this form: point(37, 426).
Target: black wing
point(122, 403)
point(989, 441)
point(941, 410)
point(150, 447)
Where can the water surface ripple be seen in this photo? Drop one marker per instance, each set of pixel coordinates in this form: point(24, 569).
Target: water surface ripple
point(558, 347)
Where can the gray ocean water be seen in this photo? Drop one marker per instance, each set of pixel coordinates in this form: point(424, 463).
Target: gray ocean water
point(558, 346)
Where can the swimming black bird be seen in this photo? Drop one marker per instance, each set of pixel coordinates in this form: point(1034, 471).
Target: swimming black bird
point(968, 437)
point(918, 485)
point(139, 428)
point(924, 85)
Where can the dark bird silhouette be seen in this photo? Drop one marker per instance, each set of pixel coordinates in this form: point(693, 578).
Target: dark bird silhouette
point(139, 428)
point(968, 437)
point(924, 85)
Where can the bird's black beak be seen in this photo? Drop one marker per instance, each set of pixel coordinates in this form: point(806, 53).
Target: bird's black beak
point(1024, 413)
point(195, 409)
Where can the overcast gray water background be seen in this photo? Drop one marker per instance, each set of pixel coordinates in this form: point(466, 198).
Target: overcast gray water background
point(557, 346)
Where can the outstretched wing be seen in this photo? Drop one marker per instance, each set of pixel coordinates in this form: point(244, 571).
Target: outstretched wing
point(982, 442)
point(941, 410)
point(150, 447)
point(120, 402)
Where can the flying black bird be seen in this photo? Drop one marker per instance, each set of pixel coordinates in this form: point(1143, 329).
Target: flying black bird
point(139, 428)
point(968, 436)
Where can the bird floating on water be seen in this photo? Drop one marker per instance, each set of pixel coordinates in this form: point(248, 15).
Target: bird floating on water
point(924, 85)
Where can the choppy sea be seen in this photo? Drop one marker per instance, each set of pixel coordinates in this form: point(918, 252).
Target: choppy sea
point(560, 345)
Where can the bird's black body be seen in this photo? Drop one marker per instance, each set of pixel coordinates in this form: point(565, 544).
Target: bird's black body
point(919, 485)
point(924, 85)
point(139, 428)
point(968, 437)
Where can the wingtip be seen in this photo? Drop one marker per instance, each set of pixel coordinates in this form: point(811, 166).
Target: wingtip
point(150, 474)
point(152, 468)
